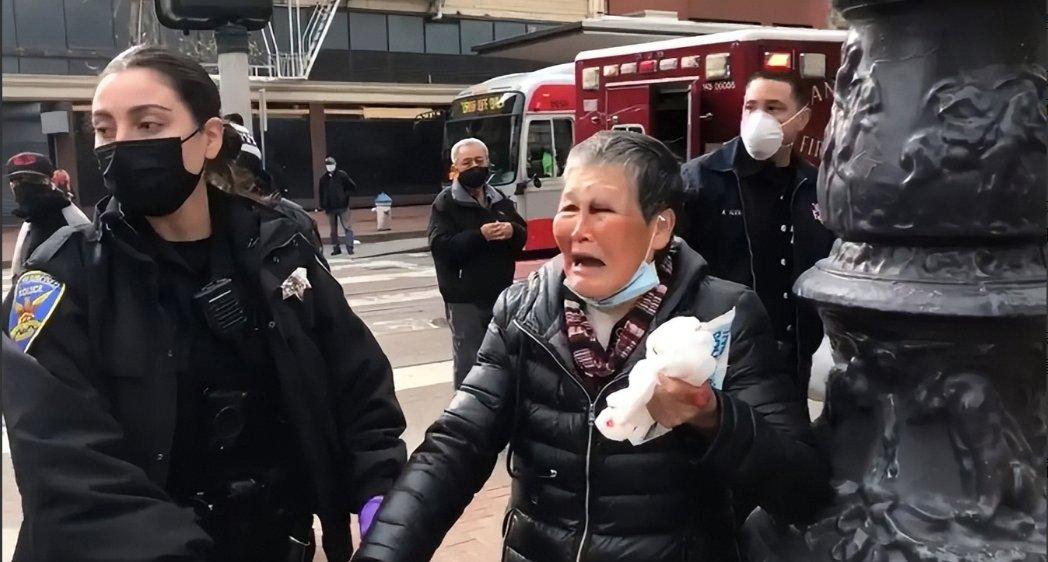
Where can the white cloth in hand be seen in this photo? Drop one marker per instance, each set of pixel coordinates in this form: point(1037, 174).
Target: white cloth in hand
point(682, 348)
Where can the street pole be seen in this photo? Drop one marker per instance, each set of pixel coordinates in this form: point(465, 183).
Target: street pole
point(263, 121)
point(234, 86)
point(933, 176)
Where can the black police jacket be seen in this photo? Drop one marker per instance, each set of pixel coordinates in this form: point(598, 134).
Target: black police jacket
point(471, 269)
point(577, 496)
point(91, 434)
point(715, 225)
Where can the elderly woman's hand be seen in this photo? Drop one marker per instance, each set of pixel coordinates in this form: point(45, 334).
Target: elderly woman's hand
point(676, 402)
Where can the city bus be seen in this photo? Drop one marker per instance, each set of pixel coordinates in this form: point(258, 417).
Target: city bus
point(527, 122)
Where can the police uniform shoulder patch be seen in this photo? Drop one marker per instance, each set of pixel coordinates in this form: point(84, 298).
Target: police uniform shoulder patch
point(35, 297)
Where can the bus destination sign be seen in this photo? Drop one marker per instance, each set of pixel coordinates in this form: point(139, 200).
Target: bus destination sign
point(483, 106)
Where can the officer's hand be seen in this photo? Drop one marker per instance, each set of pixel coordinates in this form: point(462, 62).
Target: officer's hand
point(676, 402)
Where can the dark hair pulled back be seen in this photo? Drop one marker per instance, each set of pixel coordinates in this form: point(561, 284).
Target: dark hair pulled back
point(196, 89)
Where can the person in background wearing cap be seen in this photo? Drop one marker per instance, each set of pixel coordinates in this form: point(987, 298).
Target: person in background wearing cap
point(251, 180)
point(42, 206)
point(335, 187)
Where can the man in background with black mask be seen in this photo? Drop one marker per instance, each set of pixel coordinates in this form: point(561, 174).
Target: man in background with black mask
point(475, 235)
point(335, 187)
point(751, 211)
point(42, 206)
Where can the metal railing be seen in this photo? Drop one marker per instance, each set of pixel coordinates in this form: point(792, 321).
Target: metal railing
point(294, 58)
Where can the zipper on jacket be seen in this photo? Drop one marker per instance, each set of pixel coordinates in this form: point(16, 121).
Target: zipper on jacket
point(591, 417)
point(796, 311)
point(589, 457)
point(745, 226)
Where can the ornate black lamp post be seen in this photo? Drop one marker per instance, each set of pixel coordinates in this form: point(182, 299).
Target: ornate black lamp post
point(934, 177)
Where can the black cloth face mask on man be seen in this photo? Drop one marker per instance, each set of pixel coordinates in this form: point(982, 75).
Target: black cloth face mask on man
point(147, 176)
point(474, 178)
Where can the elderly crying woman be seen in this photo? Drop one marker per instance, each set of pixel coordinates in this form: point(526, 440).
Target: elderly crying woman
point(559, 344)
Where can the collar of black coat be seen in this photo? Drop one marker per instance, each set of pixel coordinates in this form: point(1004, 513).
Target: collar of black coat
point(541, 301)
point(254, 230)
point(461, 196)
point(733, 157)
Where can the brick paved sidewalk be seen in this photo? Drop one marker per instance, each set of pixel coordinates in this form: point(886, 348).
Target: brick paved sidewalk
point(477, 536)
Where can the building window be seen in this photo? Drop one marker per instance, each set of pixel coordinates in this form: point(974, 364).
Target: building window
point(406, 34)
point(442, 38)
point(338, 34)
point(8, 13)
point(89, 25)
point(41, 24)
point(507, 29)
point(475, 32)
point(533, 27)
point(367, 32)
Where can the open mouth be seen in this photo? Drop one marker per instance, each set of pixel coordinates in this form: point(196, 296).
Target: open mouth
point(584, 260)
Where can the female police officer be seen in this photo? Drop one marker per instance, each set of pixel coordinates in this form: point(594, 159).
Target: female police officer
point(207, 388)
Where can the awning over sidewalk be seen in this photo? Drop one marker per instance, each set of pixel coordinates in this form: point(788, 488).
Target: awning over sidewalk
point(561, 44)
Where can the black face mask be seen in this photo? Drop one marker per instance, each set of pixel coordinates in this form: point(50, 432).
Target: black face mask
point(147, 177)
point(36, 200)
point(474, 178)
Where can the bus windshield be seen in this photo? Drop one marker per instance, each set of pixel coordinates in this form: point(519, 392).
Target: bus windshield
point(494, 119)
point(496, 132)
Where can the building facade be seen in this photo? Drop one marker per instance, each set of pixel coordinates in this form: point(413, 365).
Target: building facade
point(385, 68)
point(788, 13)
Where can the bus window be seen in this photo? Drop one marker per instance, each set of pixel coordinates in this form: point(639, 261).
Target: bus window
point(540, 149)
point(498, 134)
point(562, 142)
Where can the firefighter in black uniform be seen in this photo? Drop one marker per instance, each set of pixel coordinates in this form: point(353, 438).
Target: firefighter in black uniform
point(206, 388)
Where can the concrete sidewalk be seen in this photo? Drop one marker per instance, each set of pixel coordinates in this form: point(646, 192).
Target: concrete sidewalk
point(409, 227)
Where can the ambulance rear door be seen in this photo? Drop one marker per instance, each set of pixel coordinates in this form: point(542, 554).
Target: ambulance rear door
point(628, 108)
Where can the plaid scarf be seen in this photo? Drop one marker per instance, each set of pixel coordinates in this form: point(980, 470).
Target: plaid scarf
point(590, 357)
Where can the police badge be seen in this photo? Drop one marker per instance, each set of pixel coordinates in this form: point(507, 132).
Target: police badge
point(296, 285)
point(36, 295)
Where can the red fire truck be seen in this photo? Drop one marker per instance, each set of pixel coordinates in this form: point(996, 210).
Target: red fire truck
point(688, 92)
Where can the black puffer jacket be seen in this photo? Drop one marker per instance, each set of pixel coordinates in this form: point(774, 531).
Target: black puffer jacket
point(670, 499)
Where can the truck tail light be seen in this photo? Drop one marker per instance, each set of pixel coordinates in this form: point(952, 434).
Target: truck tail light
point(647, 66)
point(628, 68)
point(778, 61)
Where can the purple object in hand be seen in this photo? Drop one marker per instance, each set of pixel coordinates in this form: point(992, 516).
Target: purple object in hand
point(367, 514)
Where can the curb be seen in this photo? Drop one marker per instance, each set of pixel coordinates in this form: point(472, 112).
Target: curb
point(373, 237)
point(360, 254)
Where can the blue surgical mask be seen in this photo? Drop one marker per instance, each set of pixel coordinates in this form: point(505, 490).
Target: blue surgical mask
point(645, 279)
